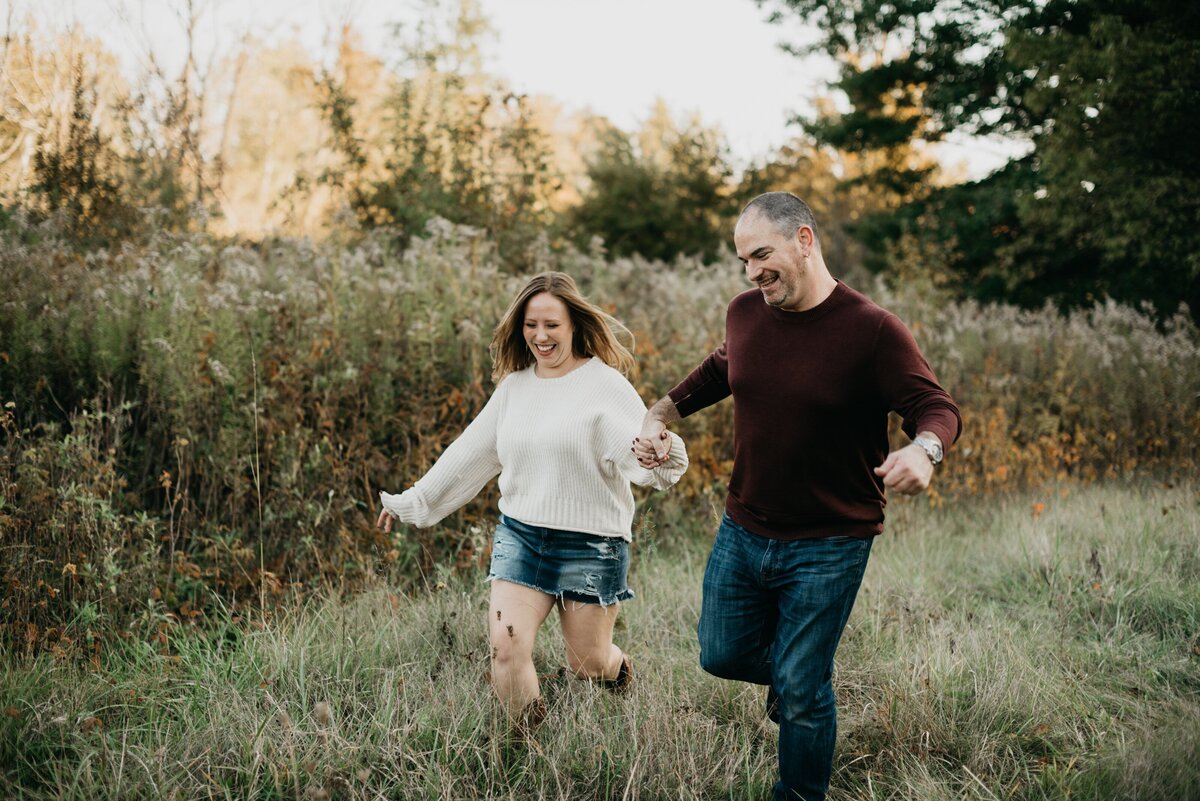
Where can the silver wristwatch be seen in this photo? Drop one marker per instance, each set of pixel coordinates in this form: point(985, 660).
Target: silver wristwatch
point(932, 448)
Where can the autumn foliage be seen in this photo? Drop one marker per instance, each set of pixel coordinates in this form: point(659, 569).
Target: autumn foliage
point(190, 423)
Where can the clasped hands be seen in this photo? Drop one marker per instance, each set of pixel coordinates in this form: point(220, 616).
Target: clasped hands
point(653, 445)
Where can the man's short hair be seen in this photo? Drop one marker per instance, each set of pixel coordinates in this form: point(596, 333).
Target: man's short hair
point(783, 210)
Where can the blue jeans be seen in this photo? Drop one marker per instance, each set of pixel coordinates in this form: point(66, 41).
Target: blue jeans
point(772, 614)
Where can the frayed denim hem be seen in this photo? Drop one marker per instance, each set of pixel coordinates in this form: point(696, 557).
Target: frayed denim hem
point(564, 595)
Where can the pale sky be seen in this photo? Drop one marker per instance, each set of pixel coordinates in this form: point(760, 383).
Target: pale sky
point(717, 58)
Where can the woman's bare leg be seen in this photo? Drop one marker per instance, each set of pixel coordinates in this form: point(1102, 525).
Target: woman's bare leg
point(514, 615)
point(588, 630)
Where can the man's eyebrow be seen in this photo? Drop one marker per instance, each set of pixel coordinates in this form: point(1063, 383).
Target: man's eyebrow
point(758, 253)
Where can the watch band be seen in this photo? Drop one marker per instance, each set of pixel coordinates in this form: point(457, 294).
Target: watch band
point(932, 448)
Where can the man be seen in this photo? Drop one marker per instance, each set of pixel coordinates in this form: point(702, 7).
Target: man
point(813, 373)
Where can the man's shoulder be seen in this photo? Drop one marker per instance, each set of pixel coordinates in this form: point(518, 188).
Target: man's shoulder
point(747, 301)
point(855, 299)
point(855, 302)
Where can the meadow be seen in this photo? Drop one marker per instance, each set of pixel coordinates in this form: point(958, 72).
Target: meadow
point(195, 602)
point(1040, 647)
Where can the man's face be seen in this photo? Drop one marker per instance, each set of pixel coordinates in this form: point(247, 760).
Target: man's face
point(775, 263)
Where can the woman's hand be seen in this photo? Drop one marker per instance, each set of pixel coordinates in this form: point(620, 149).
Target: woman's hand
point(385, 521)
point(653, 446)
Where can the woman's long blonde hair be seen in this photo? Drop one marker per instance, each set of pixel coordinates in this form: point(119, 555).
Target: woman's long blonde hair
point(597, 333)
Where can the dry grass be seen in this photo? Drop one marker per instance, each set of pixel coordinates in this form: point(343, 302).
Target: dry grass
point(1041, 647)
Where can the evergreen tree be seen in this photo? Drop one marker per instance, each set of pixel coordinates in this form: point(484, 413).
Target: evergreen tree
point(76, 175)
point(1107, 204)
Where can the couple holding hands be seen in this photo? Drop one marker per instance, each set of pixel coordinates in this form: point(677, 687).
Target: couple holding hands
point(813, 368)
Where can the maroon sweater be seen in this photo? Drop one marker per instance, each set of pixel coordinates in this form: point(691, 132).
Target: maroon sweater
point(811, 395)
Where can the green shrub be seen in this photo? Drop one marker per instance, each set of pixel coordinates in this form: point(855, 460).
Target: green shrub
point(246, 402)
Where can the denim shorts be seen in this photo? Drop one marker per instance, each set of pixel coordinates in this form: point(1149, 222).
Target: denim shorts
point(570, 565)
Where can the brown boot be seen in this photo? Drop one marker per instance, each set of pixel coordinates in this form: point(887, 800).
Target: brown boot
point(624, 680)
point(531, 716)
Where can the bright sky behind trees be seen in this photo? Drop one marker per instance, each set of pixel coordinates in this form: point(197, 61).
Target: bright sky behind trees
point(718, 58)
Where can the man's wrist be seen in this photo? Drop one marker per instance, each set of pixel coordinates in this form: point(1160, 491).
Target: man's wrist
point(931, 445)
point(663, 411)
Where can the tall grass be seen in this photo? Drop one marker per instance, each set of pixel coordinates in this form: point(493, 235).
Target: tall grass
point(1040, 646)
point(192, 424)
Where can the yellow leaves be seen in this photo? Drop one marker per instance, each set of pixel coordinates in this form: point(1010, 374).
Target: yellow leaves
point(319, 347)
point(69, 569)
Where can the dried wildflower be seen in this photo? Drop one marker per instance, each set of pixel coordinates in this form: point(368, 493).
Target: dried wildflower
point(220, 372)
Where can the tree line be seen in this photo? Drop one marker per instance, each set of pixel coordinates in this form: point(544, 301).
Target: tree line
point(263, 139)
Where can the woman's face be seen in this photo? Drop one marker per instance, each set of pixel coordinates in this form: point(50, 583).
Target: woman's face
point(549, 334)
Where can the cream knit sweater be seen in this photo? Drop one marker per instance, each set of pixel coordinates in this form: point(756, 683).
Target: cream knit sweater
point(562, 449)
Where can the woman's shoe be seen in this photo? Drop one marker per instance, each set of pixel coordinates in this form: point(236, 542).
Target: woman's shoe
point(532, 715)
point(624, 680)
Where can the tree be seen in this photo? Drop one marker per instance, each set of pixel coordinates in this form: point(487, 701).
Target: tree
point(452, 143)
point(1107, 203)
point(76, 175)
point(661, 193)
point(1117, 84)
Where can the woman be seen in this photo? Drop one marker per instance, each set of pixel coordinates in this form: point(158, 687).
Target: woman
point(558, 430)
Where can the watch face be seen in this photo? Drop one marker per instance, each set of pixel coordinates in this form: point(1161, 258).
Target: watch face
point(931, 448)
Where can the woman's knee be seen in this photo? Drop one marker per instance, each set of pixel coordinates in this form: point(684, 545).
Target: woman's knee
point(508, 648)
point(591, 663)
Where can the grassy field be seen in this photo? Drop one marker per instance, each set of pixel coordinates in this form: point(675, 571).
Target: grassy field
point(1044, 646)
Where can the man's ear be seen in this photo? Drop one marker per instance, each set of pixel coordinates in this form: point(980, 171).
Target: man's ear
point(804, 235)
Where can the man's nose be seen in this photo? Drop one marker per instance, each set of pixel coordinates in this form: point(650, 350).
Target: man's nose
point(753, 271)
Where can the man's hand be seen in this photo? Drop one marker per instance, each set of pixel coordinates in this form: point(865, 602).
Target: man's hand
point(653, 445)
point(907, 471)
point(385, 521)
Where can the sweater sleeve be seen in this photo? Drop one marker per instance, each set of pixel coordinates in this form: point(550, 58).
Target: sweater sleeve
point(621, 424)
point(458, 475)
point(910, 387)
point(704, 386)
